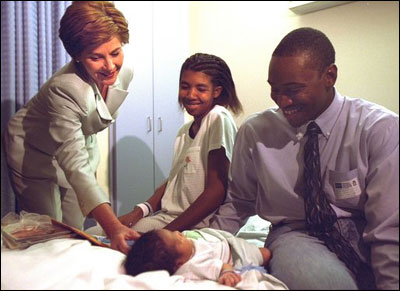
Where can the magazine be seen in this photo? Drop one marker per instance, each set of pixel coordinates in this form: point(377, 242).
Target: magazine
point(82, 234)
point(26, 229)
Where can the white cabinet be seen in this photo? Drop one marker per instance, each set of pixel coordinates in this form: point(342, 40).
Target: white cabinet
point(142, 138)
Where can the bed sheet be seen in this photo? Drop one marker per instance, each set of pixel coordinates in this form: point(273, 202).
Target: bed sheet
point(255, 230)
point(76, 264)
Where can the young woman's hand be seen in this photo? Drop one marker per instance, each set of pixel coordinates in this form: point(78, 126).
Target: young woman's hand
point(131, 218)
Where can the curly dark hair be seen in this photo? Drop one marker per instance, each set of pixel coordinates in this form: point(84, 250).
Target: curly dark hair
point(149, 253)
point(309, 41)
point(220, 75)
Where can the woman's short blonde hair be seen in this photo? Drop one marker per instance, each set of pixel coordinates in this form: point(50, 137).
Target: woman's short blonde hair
point(88, 24)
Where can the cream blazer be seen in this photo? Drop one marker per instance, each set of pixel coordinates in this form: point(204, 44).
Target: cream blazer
point(54, 135)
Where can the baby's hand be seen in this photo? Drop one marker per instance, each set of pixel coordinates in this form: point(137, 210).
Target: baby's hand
point(229, 278)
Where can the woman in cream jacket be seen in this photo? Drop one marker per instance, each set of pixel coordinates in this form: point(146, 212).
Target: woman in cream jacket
point(51, 144)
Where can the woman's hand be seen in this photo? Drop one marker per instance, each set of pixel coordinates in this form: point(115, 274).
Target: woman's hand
point(114, 229)
point(119, 236)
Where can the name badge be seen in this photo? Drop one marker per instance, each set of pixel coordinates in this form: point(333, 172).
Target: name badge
point(347, 189)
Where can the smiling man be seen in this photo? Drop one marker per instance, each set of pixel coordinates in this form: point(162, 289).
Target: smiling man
point(323, 169)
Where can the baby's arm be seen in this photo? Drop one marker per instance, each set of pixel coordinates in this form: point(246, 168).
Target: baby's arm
point(228, 276)
point(266, 255)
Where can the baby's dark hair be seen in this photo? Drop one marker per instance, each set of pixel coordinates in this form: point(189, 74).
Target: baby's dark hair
point(220, 75)
point(150, 253)
point(310, 41)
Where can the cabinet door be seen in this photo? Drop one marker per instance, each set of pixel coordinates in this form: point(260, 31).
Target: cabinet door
point(148, 121)
point(171, 48)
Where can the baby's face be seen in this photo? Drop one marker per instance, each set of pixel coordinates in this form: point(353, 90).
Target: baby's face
point(177, 241)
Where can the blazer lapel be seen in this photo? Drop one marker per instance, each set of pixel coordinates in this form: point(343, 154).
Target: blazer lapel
point(102, 108)
point(115, 97)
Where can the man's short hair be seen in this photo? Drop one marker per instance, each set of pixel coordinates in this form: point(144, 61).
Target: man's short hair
point(311, 42)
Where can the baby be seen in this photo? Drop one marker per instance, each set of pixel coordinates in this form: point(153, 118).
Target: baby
point(196, 254)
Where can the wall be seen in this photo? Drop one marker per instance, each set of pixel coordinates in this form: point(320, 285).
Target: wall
point(365, 35)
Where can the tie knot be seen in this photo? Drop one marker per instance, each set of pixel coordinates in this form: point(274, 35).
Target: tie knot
point(313, 129)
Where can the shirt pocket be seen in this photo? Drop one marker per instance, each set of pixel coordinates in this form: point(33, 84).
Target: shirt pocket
point(346, 184)
point(191, 162)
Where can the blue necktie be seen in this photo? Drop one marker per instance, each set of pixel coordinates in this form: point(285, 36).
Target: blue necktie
point(321, 219)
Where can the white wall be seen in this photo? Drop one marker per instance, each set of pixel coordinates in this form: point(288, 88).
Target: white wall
point(365, 35)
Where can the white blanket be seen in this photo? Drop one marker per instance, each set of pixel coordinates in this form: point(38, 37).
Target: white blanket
point(75, 264)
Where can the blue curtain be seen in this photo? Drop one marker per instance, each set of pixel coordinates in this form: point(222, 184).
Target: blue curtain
point(31, 52)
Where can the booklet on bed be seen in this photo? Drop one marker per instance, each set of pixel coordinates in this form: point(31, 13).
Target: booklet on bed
point(25, 229)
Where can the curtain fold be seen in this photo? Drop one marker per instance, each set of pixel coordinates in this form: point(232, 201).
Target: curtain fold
point(31, 52)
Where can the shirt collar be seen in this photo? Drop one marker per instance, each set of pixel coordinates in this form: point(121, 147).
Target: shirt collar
point(106, 109)
point(327, 120)
point(96, 89)
point(117, 82)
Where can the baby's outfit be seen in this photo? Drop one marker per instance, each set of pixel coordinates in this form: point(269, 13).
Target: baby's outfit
point(213, 248)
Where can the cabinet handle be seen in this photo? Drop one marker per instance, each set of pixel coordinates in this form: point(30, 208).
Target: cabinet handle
point(148, 124)
point(159, 124)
